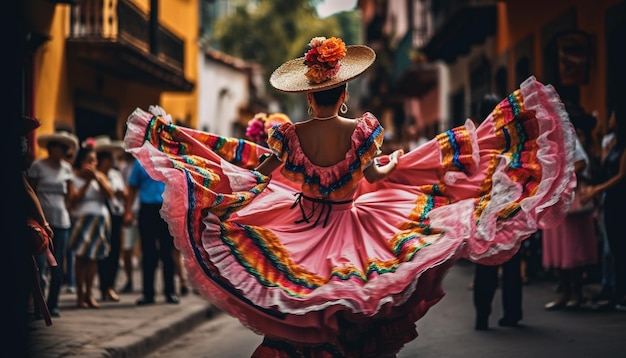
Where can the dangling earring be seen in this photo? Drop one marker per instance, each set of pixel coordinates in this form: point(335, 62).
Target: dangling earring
point(344, 108)
point(310, 110)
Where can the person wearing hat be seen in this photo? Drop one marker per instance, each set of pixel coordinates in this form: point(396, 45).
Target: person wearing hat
point(106, 152)
point(51, 178)
point(329, 248)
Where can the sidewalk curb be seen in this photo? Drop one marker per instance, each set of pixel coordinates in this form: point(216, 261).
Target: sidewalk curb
point(145, 340)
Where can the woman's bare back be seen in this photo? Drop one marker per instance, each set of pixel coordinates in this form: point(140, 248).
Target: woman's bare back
point(326, 143)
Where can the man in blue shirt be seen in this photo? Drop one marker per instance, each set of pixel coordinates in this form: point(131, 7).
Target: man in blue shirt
point(156, 241)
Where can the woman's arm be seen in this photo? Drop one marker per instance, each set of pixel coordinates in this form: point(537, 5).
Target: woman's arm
point(579, 166)
point(34, 208)
point(133, 191)
point(77, 194)
point(71, 194)
point(269, 165)
point(374, 173)
point(103, 182)
point(621, 175)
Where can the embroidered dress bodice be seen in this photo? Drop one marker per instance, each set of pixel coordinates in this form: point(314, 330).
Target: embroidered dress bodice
point(335, 182)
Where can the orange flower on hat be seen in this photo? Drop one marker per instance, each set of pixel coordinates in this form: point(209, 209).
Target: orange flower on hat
point(316, 74)
point(323, 59)
point(331, 51)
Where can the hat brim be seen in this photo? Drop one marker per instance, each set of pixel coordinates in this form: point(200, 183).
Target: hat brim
point(113, 147)
point(290, 76)
point(44, 139)
point(29, 124)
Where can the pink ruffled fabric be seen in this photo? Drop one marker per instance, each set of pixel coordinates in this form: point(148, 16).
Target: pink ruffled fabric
point(381, 257)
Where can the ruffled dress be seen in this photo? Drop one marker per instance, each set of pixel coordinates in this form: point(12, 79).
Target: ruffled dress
point(317, 257)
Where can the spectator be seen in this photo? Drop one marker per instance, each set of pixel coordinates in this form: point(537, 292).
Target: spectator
point(130, 231)
point(35, 212)
point(154, 235)
point(486, 277)
point(613, 188)
point(107, 268)
point(51, 178)
point(571, 247)
point(91, 223)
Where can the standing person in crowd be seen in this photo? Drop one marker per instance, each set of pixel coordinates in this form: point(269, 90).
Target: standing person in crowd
point(571, 247)
point(91, 222)
point(34, 208)
point(602, 298)
point(34, 211)
point(130, 230)
point(68, 269)
point(51, 178)
point(108, 267)
point(155, 239)
point(613, 189)
point(179, 271)
point(68, 266)
point(486, 276)
point(328, 248)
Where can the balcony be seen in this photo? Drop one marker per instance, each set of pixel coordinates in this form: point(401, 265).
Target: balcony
point(459, 24)
point(117, 38)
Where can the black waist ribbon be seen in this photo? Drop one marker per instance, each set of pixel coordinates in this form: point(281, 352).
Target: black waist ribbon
point(322, 204)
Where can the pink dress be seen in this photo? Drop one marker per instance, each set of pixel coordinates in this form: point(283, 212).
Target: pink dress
point(315, 255)
point(573, 243)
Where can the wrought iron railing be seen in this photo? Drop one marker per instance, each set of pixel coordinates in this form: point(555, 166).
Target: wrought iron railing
point(443, 10)
point(123, 21)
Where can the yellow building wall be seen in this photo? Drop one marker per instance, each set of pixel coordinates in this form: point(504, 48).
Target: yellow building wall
point(53, 103)
point(182, 17)
point(56, 80)
point(127, 95)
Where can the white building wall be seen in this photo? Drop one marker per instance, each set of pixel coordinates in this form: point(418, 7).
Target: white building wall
point(444, 97)
point(459, 76)
point(223, 90)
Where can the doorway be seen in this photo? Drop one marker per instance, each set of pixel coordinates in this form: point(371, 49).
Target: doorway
point(90, 123)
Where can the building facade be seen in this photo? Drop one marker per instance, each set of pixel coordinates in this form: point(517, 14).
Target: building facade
point(231, 90)
point(472, 47)
point(492, 46)
point(88, 64)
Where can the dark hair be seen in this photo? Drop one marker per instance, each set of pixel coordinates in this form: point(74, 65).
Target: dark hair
point(82, 154)
point(486, 106)
point(329, 97)
point(104, 155)
point(579, 118)
point(53, 143)
point(619, 111)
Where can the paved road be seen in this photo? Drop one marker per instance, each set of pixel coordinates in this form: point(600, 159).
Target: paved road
point(447, 330)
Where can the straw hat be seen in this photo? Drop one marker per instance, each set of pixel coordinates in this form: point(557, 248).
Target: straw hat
point(104, 143)
point(63, 137)
point(290, 76)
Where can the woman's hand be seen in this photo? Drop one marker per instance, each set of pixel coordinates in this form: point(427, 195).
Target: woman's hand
point(587, 194)
point(88, 173)
point(127, 219)
point(46, 226)
point(395, 157)
point(383, 167)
